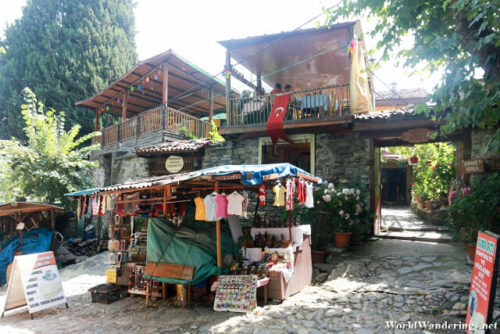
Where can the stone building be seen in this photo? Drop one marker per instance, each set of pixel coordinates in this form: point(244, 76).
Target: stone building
point(321, 117)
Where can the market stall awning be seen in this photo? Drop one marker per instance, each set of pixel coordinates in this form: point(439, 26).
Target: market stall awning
point(83, 192)
point(304, 58)
point(189, 88)
point(12, 208)
point(248, 174)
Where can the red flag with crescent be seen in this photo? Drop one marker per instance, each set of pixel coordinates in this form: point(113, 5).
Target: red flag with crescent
point(274, 124)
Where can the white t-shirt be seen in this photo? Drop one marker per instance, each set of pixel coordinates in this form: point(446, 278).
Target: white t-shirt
point(210, 206)
point(309, 195)
point(235, 204)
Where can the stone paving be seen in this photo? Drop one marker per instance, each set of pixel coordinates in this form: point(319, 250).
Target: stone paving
point(378, 282)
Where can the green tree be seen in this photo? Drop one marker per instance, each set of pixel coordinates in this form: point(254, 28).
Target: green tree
point(51, 163)
point(65, 50)
point(459, 36)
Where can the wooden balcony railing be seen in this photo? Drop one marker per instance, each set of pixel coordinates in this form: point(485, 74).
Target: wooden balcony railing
point(159, 118)
point(324, 102)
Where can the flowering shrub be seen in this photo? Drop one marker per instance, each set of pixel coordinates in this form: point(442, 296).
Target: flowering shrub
point(344, 207)
point(474, 208)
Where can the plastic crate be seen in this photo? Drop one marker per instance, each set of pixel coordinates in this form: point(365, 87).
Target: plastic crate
point(105, 293)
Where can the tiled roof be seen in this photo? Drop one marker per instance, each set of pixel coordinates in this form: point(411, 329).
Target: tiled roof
point(415, 93)
point(180, 146)
point(386, 114)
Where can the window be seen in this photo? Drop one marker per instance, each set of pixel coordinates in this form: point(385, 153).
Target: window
point(300, 153)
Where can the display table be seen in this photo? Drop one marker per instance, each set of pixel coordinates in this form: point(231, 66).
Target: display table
point(279, 288)
point(261, 283)
point(298, 232)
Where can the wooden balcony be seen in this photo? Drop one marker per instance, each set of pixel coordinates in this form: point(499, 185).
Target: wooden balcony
point(156, 119)
point(331, 102)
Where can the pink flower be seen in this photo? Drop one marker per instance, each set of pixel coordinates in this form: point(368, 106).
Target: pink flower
point(451, 196)
point(465, 190)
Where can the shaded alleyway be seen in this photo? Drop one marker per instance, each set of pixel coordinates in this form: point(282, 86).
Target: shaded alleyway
point(399, 222)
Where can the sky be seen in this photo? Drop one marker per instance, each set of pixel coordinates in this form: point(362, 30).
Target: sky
point(192, 28)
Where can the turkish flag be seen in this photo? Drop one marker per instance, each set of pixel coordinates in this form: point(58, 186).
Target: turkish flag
point(274, 124)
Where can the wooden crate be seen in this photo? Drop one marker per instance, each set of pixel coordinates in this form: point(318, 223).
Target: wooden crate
point(301, 277)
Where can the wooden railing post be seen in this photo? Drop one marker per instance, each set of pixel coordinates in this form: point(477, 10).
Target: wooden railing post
point(138, 128)
point(163, 115)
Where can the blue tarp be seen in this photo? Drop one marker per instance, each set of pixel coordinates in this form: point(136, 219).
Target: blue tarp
point(35, 241)
point(251, 175)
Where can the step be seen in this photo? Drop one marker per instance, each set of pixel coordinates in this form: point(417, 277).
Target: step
point(418, 228)
point(417, 236)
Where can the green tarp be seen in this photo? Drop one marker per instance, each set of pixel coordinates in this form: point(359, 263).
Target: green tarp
point(191, 244)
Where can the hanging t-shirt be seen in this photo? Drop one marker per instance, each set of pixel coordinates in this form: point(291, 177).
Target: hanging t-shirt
point(200, 209)
point(244, 205)
point(95, 205)
point(210, 207)
point(290, 191)
point(279, 195)
point(221, 207)
point(301, 191)
point(309, 195)
point(235, 204)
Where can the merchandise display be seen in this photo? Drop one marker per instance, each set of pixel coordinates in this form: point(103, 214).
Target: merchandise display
point(204, 214)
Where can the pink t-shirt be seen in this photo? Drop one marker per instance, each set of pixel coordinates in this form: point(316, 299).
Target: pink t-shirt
point(221, 208)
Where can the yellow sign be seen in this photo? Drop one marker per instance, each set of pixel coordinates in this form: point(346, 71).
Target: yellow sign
point(111, 274)
point(174, 164)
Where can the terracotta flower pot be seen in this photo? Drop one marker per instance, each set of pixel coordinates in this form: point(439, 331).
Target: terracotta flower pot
point(318, 256)
point(342, 239)
point(471, 251)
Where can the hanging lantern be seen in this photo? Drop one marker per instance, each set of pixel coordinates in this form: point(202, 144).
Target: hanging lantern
point(414, 160)
point(118, 100)
point(102, 109)
point(147, 79)
point(156, 76)
point(107, 108)
point(139, 87)
point(132, 88)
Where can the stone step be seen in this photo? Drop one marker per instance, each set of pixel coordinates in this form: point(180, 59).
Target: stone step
point(418, 228)
point(417, 236)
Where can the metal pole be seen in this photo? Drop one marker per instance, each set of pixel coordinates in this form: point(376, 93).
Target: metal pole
point(228, 88)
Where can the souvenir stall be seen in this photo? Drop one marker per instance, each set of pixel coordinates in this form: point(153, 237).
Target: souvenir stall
point(191, 233)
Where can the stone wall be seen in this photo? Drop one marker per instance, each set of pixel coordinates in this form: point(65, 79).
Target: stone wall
point(344, 158)
point(236, 152)
point(126, 169)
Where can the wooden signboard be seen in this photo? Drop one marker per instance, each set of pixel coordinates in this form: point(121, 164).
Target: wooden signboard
point(34, 282)
point(483, 284)
point(473, 166)
point(167, 270)
point(417, 135)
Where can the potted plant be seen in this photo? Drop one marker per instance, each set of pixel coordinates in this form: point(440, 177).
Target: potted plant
point(348, 217)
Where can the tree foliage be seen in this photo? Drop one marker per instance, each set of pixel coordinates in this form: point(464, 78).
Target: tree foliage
point(51, 163)
point(459, 36)
point(65, 50)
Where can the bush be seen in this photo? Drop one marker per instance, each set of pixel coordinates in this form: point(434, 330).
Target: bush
point(476, 208)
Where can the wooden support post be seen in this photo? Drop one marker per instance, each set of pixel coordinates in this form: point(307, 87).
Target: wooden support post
point(211, 112)
point(96, 124)
point(259, 84)
point(165, 84)
point(228, 88)
point(217, 227)
point(124, 106)
point(165, 202)
point(289, 226)
point(147, 292)
point(163, 291)
point(79, 209)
